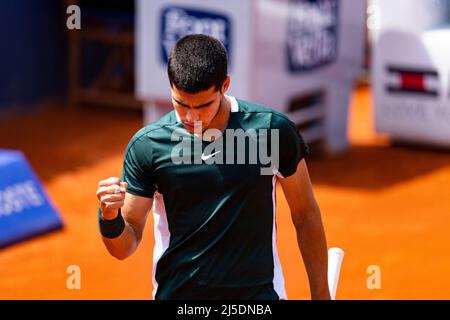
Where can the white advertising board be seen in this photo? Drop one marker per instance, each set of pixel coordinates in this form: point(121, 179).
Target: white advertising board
point(297, 56)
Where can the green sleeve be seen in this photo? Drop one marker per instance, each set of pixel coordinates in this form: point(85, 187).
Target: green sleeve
point(138, 169)
point(292, 147)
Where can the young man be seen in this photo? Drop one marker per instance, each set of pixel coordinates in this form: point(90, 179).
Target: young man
point(213, 204)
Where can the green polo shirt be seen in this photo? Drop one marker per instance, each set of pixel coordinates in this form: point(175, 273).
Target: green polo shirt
point(214, 210)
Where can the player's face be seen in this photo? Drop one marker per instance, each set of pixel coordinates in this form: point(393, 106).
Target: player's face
point(198, 108)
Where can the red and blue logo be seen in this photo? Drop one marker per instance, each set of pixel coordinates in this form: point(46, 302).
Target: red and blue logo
point(423, 82)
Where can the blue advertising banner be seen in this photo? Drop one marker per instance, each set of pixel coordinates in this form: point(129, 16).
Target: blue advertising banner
point(25, 210)
point(177, 22)
point(312, 34)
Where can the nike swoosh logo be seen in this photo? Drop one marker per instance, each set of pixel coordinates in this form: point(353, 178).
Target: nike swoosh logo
point(209, 155)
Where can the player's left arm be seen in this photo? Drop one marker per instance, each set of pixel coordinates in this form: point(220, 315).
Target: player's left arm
point(307, 220)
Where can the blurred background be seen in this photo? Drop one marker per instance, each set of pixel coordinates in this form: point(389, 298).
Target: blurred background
point(366, 82)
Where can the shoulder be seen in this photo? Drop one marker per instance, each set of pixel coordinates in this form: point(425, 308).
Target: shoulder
point(274, 118)
point(141, 145)
point(154, 130)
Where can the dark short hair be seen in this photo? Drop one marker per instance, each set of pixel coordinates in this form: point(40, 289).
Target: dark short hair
point(196, 63)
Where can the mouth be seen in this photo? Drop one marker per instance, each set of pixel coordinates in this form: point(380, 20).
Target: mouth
point(189, 125)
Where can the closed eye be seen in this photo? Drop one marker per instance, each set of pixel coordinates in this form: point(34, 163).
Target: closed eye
point(204, 105)
point(196, 107)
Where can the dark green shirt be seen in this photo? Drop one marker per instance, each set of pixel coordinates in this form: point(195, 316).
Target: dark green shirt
point(215, 233)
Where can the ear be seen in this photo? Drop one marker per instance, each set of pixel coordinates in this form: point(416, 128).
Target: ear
point(226, 84)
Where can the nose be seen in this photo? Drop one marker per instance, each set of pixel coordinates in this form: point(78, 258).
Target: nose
point(192, 116)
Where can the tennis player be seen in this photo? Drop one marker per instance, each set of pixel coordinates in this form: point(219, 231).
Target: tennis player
point(213, 204)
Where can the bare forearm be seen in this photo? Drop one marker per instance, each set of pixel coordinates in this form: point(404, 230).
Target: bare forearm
point(124, 245)
point(313, 246)
point(121, 217)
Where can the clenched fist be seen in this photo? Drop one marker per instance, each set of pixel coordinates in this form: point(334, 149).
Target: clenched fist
point(111, 194)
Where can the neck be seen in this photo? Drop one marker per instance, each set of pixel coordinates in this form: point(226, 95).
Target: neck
point(220, 120)
point(223, 114)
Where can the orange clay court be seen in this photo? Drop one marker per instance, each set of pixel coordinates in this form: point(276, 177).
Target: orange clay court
point(385, 205)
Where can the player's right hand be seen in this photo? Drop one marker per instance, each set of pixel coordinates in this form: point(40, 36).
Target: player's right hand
point(111, 194)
